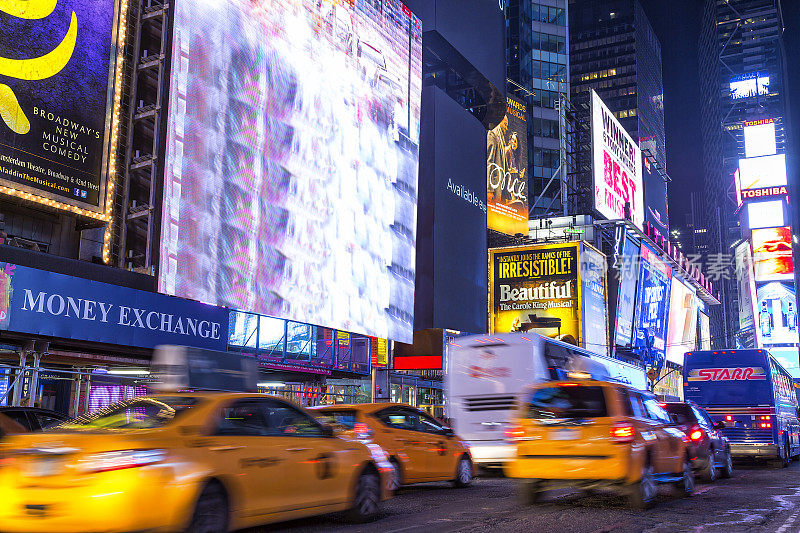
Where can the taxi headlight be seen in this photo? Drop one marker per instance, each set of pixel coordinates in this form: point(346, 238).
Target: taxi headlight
point(119, 459)
point(377, 453)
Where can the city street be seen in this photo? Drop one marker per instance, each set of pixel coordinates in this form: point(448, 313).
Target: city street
point(758, 498)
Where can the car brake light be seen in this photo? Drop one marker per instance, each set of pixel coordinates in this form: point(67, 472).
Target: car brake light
point(622, 434)
point(119, 460)
point(514, 433)
point(695, 434)
point(362, 431)
point(728, 418)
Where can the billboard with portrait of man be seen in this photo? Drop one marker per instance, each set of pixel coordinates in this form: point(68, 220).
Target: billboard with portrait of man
point(506, 172)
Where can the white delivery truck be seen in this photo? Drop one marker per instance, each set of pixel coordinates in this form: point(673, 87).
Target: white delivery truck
point(484, 374)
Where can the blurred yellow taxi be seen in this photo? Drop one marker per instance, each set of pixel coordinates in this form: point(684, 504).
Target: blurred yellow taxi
point(596, 434)
point(420, 448)
point(209, 462)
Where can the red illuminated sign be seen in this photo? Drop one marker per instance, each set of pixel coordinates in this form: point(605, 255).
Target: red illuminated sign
point(418, 362)
point(764, 192)
point(755, 373)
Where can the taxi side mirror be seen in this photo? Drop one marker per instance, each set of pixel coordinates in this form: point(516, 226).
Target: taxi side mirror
point(327, 430)
point(719, 425)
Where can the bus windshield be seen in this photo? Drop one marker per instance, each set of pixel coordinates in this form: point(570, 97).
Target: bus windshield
point(736, 378)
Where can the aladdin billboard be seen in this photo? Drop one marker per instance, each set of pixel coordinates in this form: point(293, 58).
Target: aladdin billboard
point(56, 84)
point(506, 166)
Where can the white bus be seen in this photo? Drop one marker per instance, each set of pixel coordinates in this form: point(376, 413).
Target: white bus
point(485, 373)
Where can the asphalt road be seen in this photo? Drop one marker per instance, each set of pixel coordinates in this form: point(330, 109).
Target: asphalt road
point(758, 498)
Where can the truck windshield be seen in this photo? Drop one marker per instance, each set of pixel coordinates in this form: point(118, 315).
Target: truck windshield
point(137, 413)
point(566, 401)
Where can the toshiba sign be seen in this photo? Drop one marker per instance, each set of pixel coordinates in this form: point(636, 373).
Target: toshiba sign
point(764, 192)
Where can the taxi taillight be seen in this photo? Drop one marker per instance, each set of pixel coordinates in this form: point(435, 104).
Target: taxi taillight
point(514, 433)
point(623, 433)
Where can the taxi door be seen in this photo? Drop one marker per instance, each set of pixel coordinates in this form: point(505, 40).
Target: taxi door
point(400, 426)
point(442, 457)
point(318, 467)
point(255, 464)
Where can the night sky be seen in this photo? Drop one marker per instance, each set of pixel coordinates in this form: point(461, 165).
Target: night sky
point(677, 24)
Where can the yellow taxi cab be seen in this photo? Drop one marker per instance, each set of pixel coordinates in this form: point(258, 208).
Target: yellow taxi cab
point(596, 434)
point(420, 449)
point(209, 462)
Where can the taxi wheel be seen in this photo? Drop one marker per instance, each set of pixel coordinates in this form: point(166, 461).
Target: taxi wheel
point(463, 473)
point(685, 487)
point(529, 491)
point(727, 469)
point(210, 512)
point(367, 497)
point(396, 477)
point(642, 494)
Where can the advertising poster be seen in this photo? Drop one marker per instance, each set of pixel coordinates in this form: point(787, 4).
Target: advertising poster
point(652, 305)
point(628, 277)
point(55, 88)
point(705, 331)
point(772, 254)
point(617, 167)
point(655, 198)
point(777, 312)
point(789, 358)
point(682, 323)
point(536, 288)
point(594, 305)
point(506, 167)
point(761, 172)
point(746, 285)
point(759, 138)
point(292, 149)
point(55, 305)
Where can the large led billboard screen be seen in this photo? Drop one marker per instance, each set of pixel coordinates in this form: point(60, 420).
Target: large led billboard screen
point(626, 295)
point(655, 198)
point(759, 138)
point(746, 284)
point(682, 323)
point(777, 313)
point(616, 167)
point(56, 80)
point(747, 85)
point(506, 165)
point(772, 254)
point(594, 305)
point(290, 186)
point(764, 171)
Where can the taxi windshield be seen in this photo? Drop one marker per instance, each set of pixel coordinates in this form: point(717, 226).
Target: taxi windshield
point(567, 402)
point(137, 413)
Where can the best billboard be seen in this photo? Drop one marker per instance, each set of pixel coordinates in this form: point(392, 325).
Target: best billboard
point(56, 80)
point(506, 165)
point(617, 167)
point(554, 290)
point(290, 186)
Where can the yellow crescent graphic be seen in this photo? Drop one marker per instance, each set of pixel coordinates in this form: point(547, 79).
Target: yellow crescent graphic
point(43, 67)
point(28, 9)
point(11, 112)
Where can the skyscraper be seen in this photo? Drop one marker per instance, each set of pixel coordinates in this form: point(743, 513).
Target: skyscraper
point(741, 59)
point(538, 66)
point(614, 50)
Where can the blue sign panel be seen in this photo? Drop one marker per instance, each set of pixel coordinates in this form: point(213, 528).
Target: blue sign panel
point(45, 303)
point(652, 306)
point(595, 317)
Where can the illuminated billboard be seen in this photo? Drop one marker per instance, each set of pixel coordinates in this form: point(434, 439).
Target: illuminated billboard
point(506, 166)
point(772, 254)
point(56, 84)
point(536, 288)
point(682, 323)
point(593, 301)
point(777, 313)
point(761, 172)
point(751, 84)
point(652, 306)
point(616, 167)
point(626, 295)
point(765, 214)
point(746, 284)
point(290, 186)
point(759, 138)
